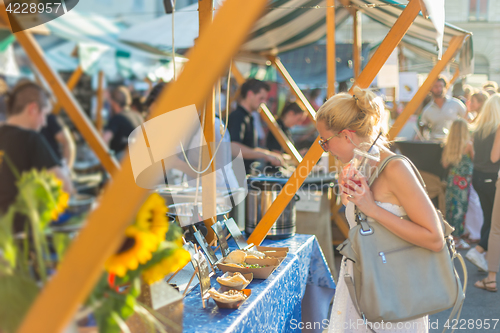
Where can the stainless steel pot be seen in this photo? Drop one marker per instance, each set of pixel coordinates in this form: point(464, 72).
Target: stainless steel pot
point(262, 191)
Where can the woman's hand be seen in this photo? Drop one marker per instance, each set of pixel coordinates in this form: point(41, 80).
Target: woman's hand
point(358, 192)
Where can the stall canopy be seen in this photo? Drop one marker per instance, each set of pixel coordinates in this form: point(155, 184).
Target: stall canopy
point(307, 64)
point(96, 40)
point(286, 25)
point(386, 12)
point(293, 24)
point(424, 58)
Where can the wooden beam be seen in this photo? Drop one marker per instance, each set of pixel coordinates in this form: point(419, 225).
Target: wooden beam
point(456, 75)
point(301, 98)
point(72, 82)
point(330, 48)
point(292, 185)
point(455, 44)
point(100, 102)
point(313, 155)
point(240, 79)
point(237, 74)
point(278, 133)
point(64, 96)
point(388, 45)
point(208, 181)
point(102, 235)
point(356, 43)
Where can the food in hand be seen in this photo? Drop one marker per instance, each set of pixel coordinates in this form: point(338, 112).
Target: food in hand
point(236, 257)
point(228, 296)
point(233, 281)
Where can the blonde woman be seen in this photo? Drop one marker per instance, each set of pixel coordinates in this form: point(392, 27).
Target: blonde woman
point(344, 122)
point(485, 174)
point(458, 153)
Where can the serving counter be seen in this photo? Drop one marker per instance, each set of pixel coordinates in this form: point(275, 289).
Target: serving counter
point(297, 292)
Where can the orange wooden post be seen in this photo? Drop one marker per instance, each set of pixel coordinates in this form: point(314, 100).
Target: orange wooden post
point(454, 78)
point(330, 48)
point(72, 82)
point(208, 180)
point(103, 233)
point(279, 135)
point(301, 99)
point(455, 44)
point(356, 43)
point(365, 78)
point(100, 102)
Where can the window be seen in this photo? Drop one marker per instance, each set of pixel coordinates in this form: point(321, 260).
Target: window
point(478, 10)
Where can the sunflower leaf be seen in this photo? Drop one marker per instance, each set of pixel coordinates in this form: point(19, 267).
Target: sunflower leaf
point(17, 293)
point(174, 233)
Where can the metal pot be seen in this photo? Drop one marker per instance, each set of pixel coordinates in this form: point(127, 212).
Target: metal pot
point(262, 191)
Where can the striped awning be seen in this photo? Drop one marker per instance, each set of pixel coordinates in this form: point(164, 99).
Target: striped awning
point(90, 28)
point(386, 12)
point(286, 25)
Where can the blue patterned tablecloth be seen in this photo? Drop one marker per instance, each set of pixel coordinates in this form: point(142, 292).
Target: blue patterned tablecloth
point(275, 304)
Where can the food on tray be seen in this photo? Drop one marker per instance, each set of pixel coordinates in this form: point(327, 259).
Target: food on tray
point(233, 281)
point(255, 254)
point(244, 265)
point(228, 296)
point(236, 257)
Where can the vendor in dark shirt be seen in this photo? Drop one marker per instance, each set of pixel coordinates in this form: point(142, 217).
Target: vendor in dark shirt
point(291, 115)
point(27, 108)
point(60, 140)
point(240, 124)
point(122, 123)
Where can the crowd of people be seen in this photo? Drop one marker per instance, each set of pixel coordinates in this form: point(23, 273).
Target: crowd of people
point(469, 124)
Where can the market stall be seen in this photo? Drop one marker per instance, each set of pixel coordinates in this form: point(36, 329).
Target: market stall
point(106, 225)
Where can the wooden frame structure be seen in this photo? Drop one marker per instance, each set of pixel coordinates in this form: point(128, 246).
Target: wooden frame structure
point(205, 14)
point(72, 82)
point(365, 78)
point(455, 44)
point(84, 261)
point(279, 134)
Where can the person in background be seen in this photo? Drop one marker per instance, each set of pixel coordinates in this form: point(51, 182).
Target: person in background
point(59, 139)
point(137, 105)
point(486, 139)
point(458, 153)
point(490, 85)
point(477, 101)
point(21, 143)
point(122, 123)
point(489, 283)
point(241, 125)
point(441, 111)
point(290, 116)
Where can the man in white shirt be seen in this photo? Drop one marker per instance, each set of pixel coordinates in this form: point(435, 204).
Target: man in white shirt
point(442, 110)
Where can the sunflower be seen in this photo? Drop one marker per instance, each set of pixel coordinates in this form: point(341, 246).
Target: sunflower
point(61, 205)
point(152, 216)
point(136, 249)
point(170, 264)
